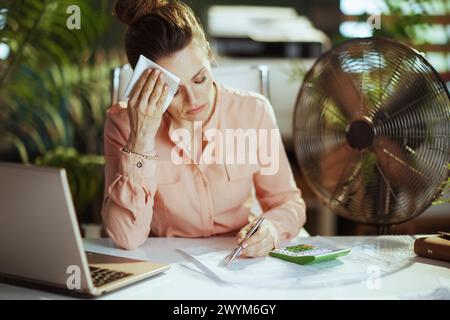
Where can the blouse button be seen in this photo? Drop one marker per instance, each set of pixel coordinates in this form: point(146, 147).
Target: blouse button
point(139, 164)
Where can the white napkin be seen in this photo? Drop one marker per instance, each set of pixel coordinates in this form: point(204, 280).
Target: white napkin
point(170, 79)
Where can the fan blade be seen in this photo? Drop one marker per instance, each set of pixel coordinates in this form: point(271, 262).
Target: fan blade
point(397, 173)
point(409, 92)
point(396, 167)
point(343, 91)
point(336, 167)
point(351, 196)
point(312, 144)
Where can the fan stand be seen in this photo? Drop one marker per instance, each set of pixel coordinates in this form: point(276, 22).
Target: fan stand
point(383, 229)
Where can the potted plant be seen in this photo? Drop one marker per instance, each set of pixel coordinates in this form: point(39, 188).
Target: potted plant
point(54, 89)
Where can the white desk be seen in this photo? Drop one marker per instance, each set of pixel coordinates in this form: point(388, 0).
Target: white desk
point(418, 279)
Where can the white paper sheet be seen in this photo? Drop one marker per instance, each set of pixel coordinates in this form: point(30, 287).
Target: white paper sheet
point(270, 272)
point(143, 64)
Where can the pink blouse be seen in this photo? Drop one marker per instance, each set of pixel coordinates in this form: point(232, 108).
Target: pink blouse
point(198, 198)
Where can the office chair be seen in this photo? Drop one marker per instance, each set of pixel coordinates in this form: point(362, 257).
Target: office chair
point(120, 77)
point(249, 78)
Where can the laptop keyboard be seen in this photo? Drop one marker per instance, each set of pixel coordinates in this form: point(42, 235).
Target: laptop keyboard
point(104, 276)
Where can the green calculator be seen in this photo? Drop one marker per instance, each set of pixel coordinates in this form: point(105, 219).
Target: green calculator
point(305, 253)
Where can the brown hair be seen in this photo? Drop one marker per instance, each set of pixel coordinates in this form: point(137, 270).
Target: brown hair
point(158, 28)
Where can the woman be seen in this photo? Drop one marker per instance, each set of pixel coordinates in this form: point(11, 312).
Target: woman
point(147, 191)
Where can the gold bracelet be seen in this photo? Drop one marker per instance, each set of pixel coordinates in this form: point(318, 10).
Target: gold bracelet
point(127, 150)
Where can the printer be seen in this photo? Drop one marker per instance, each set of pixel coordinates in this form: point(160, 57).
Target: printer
point(273, 36)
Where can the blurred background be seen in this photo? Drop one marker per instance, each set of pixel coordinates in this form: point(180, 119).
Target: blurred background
point(57, 57)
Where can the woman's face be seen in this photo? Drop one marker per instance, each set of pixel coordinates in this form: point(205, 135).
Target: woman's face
point(195, 96)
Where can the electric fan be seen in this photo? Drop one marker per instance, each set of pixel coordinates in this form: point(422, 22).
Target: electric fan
point(371, 131)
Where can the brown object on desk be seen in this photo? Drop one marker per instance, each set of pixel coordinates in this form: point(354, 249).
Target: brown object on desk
point(435, 247)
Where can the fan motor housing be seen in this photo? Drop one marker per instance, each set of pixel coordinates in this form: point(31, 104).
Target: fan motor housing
point(360, 134)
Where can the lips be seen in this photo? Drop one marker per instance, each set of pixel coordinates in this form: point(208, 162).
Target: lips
point(196, 109)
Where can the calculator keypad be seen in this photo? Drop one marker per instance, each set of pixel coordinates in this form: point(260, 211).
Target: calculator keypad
point(303, 250)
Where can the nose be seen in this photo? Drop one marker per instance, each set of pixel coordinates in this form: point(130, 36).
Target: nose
point(191, 96)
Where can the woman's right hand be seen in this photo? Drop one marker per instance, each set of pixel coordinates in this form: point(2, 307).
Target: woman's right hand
point(145, 110)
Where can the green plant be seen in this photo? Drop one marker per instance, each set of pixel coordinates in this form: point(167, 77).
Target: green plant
point(403, 20)
point(65, 107)
point(401, 25)
point(445, 192)
point(84, 173)
point(54, 89)
point(405, 17)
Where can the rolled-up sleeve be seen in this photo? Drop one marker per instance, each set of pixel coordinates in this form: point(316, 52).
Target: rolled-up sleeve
point(130, 185)
point(280, 198)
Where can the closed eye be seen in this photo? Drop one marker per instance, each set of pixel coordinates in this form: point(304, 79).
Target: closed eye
point(196, 82)
point(201, 81)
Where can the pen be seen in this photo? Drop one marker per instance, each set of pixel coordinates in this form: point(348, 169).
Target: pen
point(248, 235)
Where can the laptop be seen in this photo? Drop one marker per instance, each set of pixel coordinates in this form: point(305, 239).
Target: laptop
point(40, 240)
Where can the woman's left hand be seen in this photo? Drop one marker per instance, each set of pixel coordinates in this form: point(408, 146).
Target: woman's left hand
point(259, 244)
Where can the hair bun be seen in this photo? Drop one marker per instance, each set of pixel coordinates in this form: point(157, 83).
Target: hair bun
point(129, 11)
